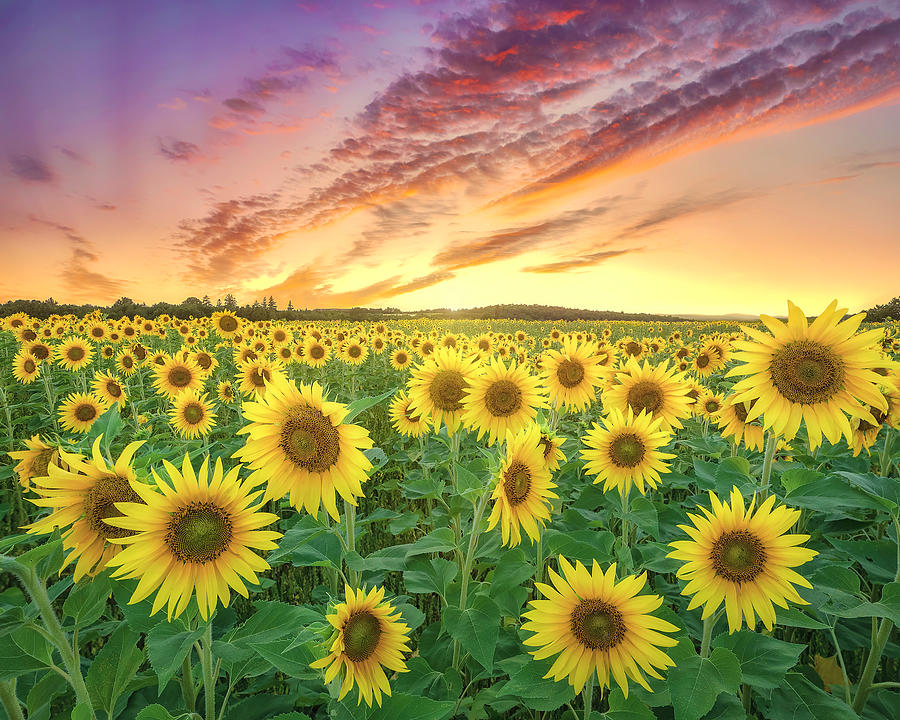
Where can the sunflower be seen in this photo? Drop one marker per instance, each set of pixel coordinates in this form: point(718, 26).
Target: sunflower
point(598, 625)
point(571, 374)
point(40, 350)
point(743, 558)
point(524, 488)
point(709, 404)
point(25, 367)
point(703, 363)
point(551, 448)
point(280, 335)
point(400, 359)
point(205, 360)
point(83, 495)
point(812, 374)
point(225, 391)
point(175, 376)
point(196, 536)
point(79, 411)
point(658, 390)
point(425, 349)
point(368, 635)
point(502, 400)
point(226, 324)
point(625, 451)
point(74, 353)
point(484, 344)
point(297, 443)
point(405, 421)
point(191, 414)
point(733, 422)
point(354, 352)
point(97, 331)
point(34, 461)
point(108, 387)
point(254, 375)
point(437, 387)
point(315, 353)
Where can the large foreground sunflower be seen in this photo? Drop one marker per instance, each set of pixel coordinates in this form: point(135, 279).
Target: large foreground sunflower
point(197, 535)
point(812, 374)
point(502, 400)
point(625, 451)
point(598, 625)
point(742, 558)
point(571, 374)
point(657, 389)
point(368, 636)
point(84, 496)
point(437, 386)
point(298, 443)
point(524, 488)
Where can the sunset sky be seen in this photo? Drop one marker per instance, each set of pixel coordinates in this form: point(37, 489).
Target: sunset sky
point(680, 156)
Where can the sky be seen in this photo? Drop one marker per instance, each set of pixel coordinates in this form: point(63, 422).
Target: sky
point(677, 156)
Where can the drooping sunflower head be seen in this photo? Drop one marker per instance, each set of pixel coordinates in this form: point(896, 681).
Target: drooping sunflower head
point(625, 451)
point(816, 374)
point(195, 537)
point(35, 460)
point(369, 635)
point(438, 386)
point(742, 558)
point(523, 488)
point(551, 448)
point(502, 399)
point(79, 411)
point(734, 421)
point(82, 494)
point(598, 625)
point(298, 443)
point(656, 390)
point(404, 420)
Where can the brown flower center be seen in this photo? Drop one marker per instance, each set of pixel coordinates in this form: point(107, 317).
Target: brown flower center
point(503, 398)
point(702, 360)
point(645, 395)
point(75, 353)
point(516, 482)
point(633, 348)
point(446, 390)
point(361, 633)
point(569, 373)
point(85, 412)
point(738, 556)
point(100, 503)
point(193, 413)
point(29, 366)
point(597, 625)
point(179, 377)
point(354, 351)
point(626, 450)
point(309, 439)
point(807, 372)
point(227, 323)
point(199, 532)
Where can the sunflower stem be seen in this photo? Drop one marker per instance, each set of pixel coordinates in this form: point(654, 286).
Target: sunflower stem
point(467, 564)
point(209, 682)
point(38, 592)
point(350, 515)
point(881, 638)
point(539, 559)
point(767, 465)
point(886, 464)
point(187, 683)
point(588, 692)
point(9, 699)
point(625, 528)
point(708, 624)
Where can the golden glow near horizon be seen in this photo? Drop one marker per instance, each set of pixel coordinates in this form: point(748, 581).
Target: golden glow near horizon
point(382, 169)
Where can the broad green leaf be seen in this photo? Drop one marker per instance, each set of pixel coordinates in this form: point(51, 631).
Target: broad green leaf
point(292, 656)
point(512, 570)
point(475, 628)
point(631, 708)
point(430, 576)
point(888, 607)
point(272, 620)
point(877, 557)
point(795, 477)
point(831, 494)
point(32, 643)
point(168, 644)
point(46, 558)
point(764, 660)
point(391, 558)
point(727, 707)
point(158, 712)
point(405, 522)
point(358, 406)
point(308, 544)
point(643, 514)
point(86, 601)
point(440, 540)
point(82, 711)
point(885, 491)
point(412, 707)
point(794, 617)
point(583, 545)
point(468, 484)
point(695, 682)
point(527, 684)
point(43, 692)
point(14, 661)
point(798, 699)
point(113, 668)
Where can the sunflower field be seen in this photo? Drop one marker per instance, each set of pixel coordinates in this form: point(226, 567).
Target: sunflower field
point(220, 519)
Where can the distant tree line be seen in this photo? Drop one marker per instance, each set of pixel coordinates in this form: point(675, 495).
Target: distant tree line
point(888, 311)
point(266, 308)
